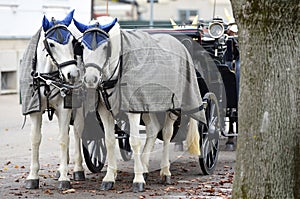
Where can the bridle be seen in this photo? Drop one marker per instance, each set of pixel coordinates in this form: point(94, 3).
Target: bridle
point(48, 33)
point(55, 79)
point(109, 82)
point(94, 45)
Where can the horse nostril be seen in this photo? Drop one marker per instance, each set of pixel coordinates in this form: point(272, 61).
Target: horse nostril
point(95, 79)
point(69, 76)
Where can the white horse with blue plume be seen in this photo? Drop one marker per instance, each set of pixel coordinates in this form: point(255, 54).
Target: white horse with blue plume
point(49, 74)
point(114, 61)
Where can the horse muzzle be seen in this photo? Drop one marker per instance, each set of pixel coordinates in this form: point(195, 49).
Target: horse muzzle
point(73, 76)
point(91, 81)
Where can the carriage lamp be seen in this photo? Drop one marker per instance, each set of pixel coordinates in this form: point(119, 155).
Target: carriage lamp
point(215, 29)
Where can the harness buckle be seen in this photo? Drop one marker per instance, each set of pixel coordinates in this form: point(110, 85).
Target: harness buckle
point(48, 82)
point(63, 92)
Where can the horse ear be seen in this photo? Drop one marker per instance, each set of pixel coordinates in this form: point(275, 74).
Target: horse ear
point(67, 21)
point(81, 27)
point(109, 26)
point(46, 24)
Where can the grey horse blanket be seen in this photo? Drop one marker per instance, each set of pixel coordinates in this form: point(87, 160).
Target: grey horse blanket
point(158, 75)
point(30, 97)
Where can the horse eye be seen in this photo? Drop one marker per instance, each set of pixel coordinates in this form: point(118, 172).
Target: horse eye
point(51, 44)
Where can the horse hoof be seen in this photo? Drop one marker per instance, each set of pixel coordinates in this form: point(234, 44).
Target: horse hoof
point(138, 187)
point(32, 184)
point(57, 175)
point(64, 185)
point(105, 186)
point(229, 147)
point(145, 175)
point(79, 176)
point(166, 180)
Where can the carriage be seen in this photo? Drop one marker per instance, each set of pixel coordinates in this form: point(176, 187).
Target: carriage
point(206, 44)
point(189, 83)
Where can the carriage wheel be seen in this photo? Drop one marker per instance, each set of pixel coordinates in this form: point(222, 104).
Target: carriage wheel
point(123, 139)
point(94, 152)
point(93, 142)
point(209, 135)
point(124, 146)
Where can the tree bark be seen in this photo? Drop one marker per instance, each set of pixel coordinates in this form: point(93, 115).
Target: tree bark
point(268, 151)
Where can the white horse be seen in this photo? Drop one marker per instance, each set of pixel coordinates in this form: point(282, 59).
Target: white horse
point(54, 76)
point(101, 53)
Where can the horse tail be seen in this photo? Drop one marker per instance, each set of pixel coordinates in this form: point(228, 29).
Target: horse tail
point(193, 138)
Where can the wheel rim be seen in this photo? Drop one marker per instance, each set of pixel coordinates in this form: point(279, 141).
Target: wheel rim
point(94, 154)
point(210, 137)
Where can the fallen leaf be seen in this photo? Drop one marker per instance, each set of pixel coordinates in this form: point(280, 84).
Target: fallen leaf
point(16, 166)
point(18, 194)
point(211, 190)
point(69, 191)
point(169, 188)
point(48, 191)
point(9, 162)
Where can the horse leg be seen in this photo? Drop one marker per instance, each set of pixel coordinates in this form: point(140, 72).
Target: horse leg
point(152, 129)
point(64, 117)
point(110, 142)
point(32, 181)
point(167, 133)
point(78, 174)
point(229, 146)
point(135, 143)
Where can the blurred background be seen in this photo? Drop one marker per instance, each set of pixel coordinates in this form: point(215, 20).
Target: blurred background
point(20, 19)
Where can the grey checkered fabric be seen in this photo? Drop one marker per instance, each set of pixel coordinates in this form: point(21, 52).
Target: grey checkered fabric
point(158, 75)
point(30, 98)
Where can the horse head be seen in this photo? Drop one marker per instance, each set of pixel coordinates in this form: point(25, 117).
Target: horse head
point(56, 53)
point(97, 50)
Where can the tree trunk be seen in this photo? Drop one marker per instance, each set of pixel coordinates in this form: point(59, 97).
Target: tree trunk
point(268, 151)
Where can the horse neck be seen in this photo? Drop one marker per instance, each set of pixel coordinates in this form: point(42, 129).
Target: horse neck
point(43, 63)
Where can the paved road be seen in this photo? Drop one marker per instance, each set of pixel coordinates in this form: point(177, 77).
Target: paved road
point(15, 160)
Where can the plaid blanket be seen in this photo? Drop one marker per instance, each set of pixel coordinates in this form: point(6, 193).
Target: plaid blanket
point(158, 75)
point(30, 98)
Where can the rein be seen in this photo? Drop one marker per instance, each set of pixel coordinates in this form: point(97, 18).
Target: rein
point(51, 79)
point(108, 84)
